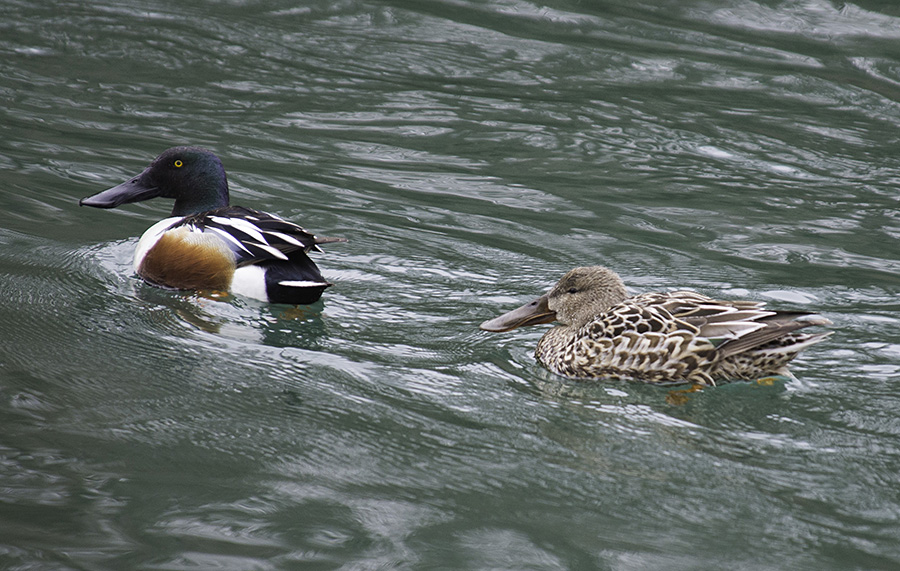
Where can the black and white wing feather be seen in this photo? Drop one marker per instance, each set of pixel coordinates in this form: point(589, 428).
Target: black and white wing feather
point(256, 236)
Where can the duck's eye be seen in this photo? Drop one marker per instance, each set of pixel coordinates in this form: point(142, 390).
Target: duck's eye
point(178, 163)
point(573, 290)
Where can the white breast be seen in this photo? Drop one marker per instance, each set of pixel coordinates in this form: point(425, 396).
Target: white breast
point(150, 238)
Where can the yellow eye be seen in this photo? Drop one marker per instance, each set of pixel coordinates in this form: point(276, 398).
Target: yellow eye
point(178, 163)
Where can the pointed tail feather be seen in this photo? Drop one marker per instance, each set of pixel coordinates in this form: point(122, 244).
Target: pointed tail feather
point(328, 239)
point(777, 326)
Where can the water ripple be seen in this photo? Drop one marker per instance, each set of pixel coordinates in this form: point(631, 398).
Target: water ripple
point(472, 153)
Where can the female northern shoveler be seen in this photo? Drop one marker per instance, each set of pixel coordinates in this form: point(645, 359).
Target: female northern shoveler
point(662, 338)
point(209, 245)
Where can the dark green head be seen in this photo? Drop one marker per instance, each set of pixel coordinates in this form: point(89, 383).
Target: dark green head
point(194, 177)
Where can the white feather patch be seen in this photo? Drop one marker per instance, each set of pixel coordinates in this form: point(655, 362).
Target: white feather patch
point(250, 281)
point(287, 238)
point(301, 283)
point(274, 252)
point(242, 225)
point(229, 238)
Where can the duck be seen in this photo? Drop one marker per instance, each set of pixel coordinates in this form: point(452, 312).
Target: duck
point(209, 245)
point(676, 337)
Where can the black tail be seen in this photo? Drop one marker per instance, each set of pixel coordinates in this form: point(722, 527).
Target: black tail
point(296, 281)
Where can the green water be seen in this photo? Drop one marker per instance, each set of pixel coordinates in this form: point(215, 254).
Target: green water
point(471, 152)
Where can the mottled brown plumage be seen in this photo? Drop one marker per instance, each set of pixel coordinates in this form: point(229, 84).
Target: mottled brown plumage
point(663, 338)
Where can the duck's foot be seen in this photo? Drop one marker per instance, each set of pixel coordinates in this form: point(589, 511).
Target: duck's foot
point(295, 313)
point(766, 381)
point(681, 396)
point(202, 295)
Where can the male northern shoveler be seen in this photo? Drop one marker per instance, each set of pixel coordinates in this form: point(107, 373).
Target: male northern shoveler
point(661, 338)
point(209, 245)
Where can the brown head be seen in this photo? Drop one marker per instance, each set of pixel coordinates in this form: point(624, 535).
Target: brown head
point(577, 298)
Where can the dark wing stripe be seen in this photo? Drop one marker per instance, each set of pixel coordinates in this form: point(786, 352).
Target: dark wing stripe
point(739, 315)
point(285, 234)
point(287, 238)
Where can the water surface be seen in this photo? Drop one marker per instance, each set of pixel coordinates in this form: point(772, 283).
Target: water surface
point(471, 152)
